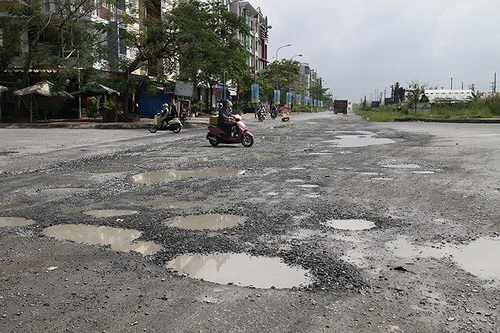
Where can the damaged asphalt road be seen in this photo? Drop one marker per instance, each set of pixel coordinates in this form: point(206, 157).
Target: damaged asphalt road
point(396, 225)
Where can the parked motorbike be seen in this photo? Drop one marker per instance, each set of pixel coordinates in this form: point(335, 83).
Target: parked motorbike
point(217, 135)
point(174, 124)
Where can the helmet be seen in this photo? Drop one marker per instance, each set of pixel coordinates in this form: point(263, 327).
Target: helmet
point(165, 104)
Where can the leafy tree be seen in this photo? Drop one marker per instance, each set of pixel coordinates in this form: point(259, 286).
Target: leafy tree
point(209, 49)
point(414, 94)
point(283, 75)
point(38, 39)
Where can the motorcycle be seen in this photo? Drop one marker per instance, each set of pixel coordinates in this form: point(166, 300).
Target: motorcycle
point(261, 114)
point(274, 113)
point(174, 124)
point(217, 135)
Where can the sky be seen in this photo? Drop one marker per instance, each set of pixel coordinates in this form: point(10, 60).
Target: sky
point(362, 47)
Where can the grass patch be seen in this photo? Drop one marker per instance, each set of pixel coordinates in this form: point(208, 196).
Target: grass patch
point(480, 108)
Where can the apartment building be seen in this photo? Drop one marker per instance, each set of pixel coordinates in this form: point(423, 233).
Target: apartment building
point(108, 13)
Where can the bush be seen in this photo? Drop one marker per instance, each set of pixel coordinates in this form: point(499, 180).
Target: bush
point(492, 103)
point(111, 111)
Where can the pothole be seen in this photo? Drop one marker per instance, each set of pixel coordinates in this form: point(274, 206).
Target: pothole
point(172, 174)
point(241, 269)
point(308, 185)
point(110, 212)
point(401, 166)
point(121, 240)
point(206, 221)
point(15, 221)
point(276, 138)
point(350, 224)
point(13, 206)
point(64, 190)
point(358, 139)
point(480, 257)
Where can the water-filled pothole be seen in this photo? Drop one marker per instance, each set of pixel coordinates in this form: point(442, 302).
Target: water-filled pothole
point(241, 269)
point(276, 138)
point(15, 221)
point(110, 212)
point(358, 139)
point(64, 190)
point(350, 224)
point(308, 185)
point(122, 240)
point(172, 174)
point(401, 166)
point(479, 258)
point(11, 206)
point(206, 221)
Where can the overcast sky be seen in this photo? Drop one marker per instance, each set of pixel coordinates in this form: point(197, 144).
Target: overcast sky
point(360, 47)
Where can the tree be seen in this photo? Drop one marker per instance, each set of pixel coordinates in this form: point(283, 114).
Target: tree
point(283, 75)
point(209, 49)
point(55, 39)
point(414, 94)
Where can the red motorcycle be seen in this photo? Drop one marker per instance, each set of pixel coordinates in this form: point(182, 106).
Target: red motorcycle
point(217, 135)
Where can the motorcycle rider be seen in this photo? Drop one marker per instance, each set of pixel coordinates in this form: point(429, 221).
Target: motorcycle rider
point(165, 114)
point(225, 119)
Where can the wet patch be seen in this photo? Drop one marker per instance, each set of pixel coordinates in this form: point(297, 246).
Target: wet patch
point(358, 139)
point(12, 222)
point(294, 180)
point(401, 166)
point(206, 221)
point(241, 269)
point(121, 240)
point(13, 206)
point(308, 185)
point(110, 212)
point(350, 224)
point(172, 174)
point(276, 138)
point(481, 258)
point(64, 190)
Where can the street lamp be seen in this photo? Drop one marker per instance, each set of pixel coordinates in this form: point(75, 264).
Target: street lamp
point(287, 45)
point(297, 55)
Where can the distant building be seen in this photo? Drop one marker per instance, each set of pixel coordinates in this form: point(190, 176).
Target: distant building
point(448, 96)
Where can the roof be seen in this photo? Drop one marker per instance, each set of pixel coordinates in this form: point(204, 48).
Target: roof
point(447, 95)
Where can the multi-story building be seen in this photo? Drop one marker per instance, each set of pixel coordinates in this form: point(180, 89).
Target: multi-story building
point(256, 41)
point(108, 13)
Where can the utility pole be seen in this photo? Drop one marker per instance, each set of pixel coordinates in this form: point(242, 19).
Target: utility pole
point(494, 83)
point(451, 86)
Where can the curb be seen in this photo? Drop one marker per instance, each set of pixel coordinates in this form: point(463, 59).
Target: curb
point(438, 120)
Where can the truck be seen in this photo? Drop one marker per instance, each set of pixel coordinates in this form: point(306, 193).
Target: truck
point(340, 106)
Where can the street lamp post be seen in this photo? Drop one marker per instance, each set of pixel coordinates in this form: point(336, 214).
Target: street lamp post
point(297, 55)
point(287, 45)
point(276, 60)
